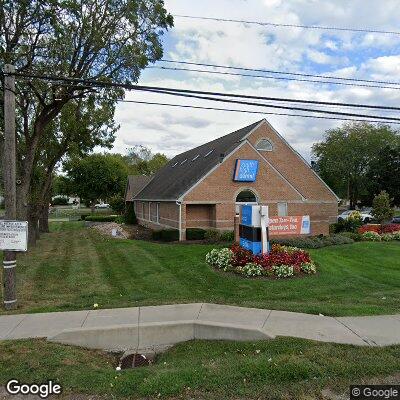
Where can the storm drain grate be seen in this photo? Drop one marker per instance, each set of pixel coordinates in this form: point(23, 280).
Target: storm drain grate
point(134, 361)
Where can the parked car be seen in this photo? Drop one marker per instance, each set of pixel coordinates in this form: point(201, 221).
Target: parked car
point(365, 215)
point(102, 205)
point(396, 220)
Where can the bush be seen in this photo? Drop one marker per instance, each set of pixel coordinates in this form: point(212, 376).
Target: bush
point(396, 236)
point(356, 237)
point(391, 228)
point(369, 228)
point(283, 271)
point(314, 242)
point(84, 216)
point(60, 201)
point(120, 219)
point(212, 235)
point(101, 218)
point(227, 236)
point(130, 216)
point(251, 269)
point(224, 259)
point(212, 257)
point(166, 235)
point(117, 203)
point(195, 233)
point(387, 237)
point(371, 236)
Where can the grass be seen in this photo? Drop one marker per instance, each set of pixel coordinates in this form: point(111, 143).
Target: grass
point(72, 268)
point(283, 368)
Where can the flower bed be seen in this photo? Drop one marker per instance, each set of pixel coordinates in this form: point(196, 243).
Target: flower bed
point(281, 262)
point(378, 233)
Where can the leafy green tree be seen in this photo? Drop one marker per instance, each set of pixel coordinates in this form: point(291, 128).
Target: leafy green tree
point(144, 162)
point(344, 156)
point(381, 208)
point(384, 173)
point(97, 177)
point(75, 39)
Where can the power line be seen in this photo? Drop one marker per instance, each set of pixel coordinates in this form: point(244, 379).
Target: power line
point(270, 77)
point(199, 94)
point(247, 111)
point(273, 24)
point(271, 71)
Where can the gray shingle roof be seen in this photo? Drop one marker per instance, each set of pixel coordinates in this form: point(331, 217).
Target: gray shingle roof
point(135, 184)
point(179, 175)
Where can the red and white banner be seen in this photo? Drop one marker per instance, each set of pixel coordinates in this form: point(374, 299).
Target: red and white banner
point(290, 225)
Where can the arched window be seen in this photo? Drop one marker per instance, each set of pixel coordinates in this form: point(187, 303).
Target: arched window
point(264, 145)
point(246, 196)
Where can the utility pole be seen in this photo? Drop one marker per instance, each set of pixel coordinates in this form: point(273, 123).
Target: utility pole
point(10, 189)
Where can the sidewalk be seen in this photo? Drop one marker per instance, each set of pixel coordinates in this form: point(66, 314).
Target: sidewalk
point(160, 326)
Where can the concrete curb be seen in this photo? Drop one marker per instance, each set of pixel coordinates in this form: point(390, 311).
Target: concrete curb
point(156, 335)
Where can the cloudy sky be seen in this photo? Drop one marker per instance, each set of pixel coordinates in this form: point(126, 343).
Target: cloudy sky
point(345, 54)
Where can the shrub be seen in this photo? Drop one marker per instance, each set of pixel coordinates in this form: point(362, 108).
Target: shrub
point(227, 236)
point(120, 219)
point(195, 234)
point(356, 237)
point(212, 257)
point(381, 209)
point(391, 228)
point(60, 201)
point(338, 239)
point(117, 203)
point(130, 216)
point(371, 236)
point(283, 271)
point(387, 237)
point(251, 269)
point(101, 218)
point(224, 259)
point(308, 268)
point(166, 235)
point(369, 228)
point(351, 224)
point(84, 216)
point(212, 235)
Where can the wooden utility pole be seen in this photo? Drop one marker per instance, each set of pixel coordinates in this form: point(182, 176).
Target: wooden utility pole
point(10, 189)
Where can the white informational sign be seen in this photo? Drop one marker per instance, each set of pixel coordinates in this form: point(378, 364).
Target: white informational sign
point(14, 235)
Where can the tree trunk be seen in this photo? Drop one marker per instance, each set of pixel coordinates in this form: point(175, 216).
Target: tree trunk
point(44, 218)
point(33, 225)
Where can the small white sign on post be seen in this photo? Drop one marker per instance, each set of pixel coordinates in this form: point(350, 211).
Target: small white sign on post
point(13, 235)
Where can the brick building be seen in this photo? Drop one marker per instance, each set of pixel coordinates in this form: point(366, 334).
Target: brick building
point(197, 188)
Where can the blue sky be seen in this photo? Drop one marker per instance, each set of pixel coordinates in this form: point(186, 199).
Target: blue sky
point(345, 54)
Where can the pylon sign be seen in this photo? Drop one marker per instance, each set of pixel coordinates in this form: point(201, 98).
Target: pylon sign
point(253, 229)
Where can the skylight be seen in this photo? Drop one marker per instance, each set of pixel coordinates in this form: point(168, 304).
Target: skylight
point(183, 162)
point(209, 153)
point(198, 155)
point(175, 165)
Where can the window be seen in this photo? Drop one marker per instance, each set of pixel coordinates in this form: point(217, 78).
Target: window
point(246, 196)
point(282, 209)
point(264, 145)
point(183, 162)
point(175, 165)
point(149, 210)
point(143, 212)
point(158, 213)
point(209, 153)
point(196, 157)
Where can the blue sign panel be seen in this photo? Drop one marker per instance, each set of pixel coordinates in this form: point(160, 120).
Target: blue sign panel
point(247, 213)
point(254, 247)
point(245, 170)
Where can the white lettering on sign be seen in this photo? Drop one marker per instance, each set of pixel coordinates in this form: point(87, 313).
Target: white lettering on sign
point(13, 235)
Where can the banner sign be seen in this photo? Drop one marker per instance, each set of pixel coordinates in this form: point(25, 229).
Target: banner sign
point(245, 171)
point(13, 235)
point(297, 225)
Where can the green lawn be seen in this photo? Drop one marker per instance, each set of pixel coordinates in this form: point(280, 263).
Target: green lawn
point(73, 268)
point(283, 368)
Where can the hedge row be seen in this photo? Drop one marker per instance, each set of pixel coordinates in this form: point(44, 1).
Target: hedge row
point(314, 242)
point(101, 218)
point(166, 235)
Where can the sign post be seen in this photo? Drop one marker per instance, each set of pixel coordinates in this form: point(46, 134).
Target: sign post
point(10, 189)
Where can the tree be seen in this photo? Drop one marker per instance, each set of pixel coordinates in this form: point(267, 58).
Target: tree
point(144, 162)
point(99, 40)
point(381, 209)
point(97, 177)
point(344, 156)
point(384, 173)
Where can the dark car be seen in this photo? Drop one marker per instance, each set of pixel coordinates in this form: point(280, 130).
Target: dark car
point(396, 220)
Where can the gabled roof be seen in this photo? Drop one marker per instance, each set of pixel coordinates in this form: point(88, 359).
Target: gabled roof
point(135, 184)
point(187, 168)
